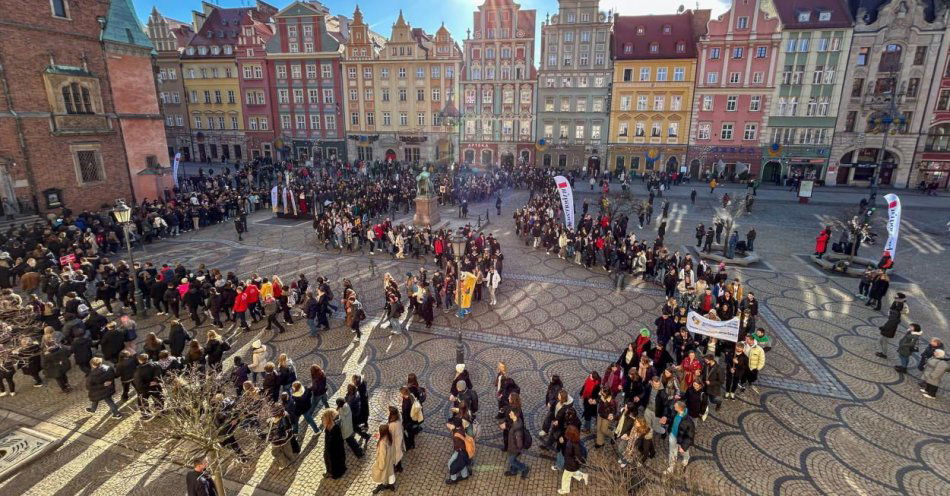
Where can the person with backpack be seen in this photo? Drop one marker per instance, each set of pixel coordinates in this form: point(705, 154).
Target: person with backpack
point(412, 416)
point(519, 439)
point(459, 461)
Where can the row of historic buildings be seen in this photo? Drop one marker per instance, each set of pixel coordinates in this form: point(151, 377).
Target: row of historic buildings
point(838, 90)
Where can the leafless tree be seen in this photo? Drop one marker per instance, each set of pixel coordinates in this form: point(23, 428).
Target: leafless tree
point(201, 418)
point(607, 477)
point(17, 322)
point(853, 221)
point(730, 210)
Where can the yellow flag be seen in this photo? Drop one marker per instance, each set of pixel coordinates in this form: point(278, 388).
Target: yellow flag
point(467, 286)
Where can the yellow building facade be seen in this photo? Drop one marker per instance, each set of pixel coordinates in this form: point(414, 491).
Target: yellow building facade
point(214, 108)
point(396, 92)
point(652, 91)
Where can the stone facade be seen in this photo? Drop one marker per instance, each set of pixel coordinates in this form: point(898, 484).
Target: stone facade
point(498, 86)
point(816, 38)
point(932, 162)
point(60, 139)
point(734, 85)
point(397, 91)
point(894, 51)
point(573, 86)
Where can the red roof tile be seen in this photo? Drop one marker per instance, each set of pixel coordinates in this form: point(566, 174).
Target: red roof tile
point(633, 36)
point(788, 12)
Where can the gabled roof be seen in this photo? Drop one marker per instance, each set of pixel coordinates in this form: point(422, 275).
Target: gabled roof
point(123, 26)
point(789, 10)
point(627, 31)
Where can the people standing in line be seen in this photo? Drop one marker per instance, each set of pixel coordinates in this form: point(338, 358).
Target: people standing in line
point(888, 330)
point(934, 370)
point(907, 346)
point(878, 290)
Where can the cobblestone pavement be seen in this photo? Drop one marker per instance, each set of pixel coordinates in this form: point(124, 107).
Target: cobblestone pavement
point(828, 416)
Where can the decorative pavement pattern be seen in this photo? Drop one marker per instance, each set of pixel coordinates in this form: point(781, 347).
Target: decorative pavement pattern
point(828, 416)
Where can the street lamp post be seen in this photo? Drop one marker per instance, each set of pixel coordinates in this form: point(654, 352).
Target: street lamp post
point(123, 215)
point(458, 247)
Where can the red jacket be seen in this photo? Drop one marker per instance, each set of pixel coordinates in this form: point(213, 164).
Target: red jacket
point(240, 302)
point(253, 294)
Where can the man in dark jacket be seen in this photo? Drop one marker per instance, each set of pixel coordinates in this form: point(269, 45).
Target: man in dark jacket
point(112, 343)
point(712, 380)
point(889, 328)
point(682, 433)
point(198, 482)
point(147, 385)
point(55, 364)
point(100, 382)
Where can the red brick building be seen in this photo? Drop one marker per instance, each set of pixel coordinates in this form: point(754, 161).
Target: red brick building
point(61, 142)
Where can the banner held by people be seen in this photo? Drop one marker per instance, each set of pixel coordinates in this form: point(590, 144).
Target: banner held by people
point(467, 288)
point(723, 330)
point(567, 199)
point(893, 224)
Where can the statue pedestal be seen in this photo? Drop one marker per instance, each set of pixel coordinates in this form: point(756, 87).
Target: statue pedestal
point(427, 211)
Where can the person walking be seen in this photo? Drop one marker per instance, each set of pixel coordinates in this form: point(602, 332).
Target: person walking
point(492, 280)
point(345, 420)
point(756, 359)
point(889, 329)
point(934, 370)
point(334, 455)
point(100, 383)
point(55, 363)
point(573, 459)
point(398, 447)
point(907, 346)
point(518, 441)
point(281, 438)
point(198, 482)
point(459, 461)
point(682, 433)
point(383, 473)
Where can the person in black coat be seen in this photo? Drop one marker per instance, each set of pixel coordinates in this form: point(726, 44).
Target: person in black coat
point(334, 456)
point(82, 352)
point(685, 431)
point(198, 482)
point(878, 289)
point(271, 383)
point(889, 328)
point(28, 360)
point(125, 368)
point(361, 419)
point(178, 338)
point(215, 349)
point(100, 382)
point(112, 342)
point(146, 384)
point(55, 363)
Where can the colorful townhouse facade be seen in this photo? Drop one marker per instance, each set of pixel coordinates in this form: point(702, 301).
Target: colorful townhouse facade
point(498, 85)
point(932, 162)
point(573, 86)
point(398, 93)
point(894, 52)
point(816, 39)
point(654, 66)
point(736, 78)
point(304, 56)
point(169, 37)
point(256, 82)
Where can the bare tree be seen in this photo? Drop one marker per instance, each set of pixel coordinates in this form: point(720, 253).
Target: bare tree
point(852, 220)
point(608, 477)
point(201, 416)
point(730, 210)
point(17, 322)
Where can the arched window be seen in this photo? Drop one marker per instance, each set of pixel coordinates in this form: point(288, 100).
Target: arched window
point(891, 58)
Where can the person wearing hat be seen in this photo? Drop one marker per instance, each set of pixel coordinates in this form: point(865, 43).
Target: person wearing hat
point(258, 359)
point(889, 328)
point(934, 370)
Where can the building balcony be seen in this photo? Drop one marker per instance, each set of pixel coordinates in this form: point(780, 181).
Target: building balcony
point(64, 124)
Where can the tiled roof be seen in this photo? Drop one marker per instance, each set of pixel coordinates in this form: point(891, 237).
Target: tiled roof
point(633, 36)
point(789, 13)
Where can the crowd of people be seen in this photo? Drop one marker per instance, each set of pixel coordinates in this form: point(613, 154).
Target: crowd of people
point(665, 382)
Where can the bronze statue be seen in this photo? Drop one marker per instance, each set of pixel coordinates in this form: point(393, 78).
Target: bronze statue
point(424, 184)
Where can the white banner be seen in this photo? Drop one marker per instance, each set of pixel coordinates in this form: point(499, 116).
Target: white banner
point(567, 199)
point(273, 199)
point(893, 224)
point(722, 330)
point(175, 168)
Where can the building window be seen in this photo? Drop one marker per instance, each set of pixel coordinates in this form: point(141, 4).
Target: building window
point(712, 78)
point(703, 132)
point(655, 129)
point(707, 103)
point(679, 74)
point(330, 122)
point(301, 121)
point(370, 119)
point(60, 9)
point(680, 47)
point(641, 102)
point(355, 118)
point(742, 22)
point(655, 47)
point(403, 118)
point(726, 133)
point(326, 71)
point(757, 77)
point(76, 99)
point(298, 96)
point(755, 103)
point(661, 74)
point(88, 165)
point(891, 58)
point(804, 16)
point(732, 103)
point(738, 52)
point(734, 77)
point(672, 130)
point(658, 102)
point(676, 102)
point(750, 132)
point(913, 86)
point(281, 72)
point(714, 53)
point(328, 95)
point(761, 52)
point(644, 74)
point(387, 119)
point(920, 55)
point(857, 87)
point(850, 121)
point(862, 58)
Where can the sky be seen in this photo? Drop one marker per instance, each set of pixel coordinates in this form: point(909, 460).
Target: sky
point(430, 14)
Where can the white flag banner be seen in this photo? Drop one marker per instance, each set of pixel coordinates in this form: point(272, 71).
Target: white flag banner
point(567, 199)
point(723, 330)
point(175, 168)
point(273, 199)
point(893, 224)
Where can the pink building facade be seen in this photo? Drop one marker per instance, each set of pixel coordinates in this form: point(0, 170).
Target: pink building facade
point(736, 78)
point(257, 87)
